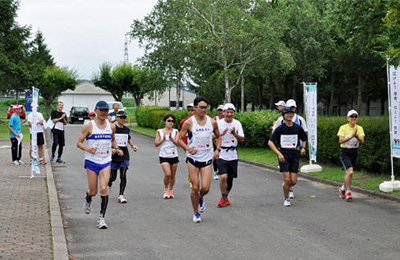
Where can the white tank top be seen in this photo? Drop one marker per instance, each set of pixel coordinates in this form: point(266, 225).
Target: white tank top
point(167, 148)
point(201, 140)
point(101, 139)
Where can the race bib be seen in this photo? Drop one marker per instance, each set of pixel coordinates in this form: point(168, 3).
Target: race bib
point(103, 149)
point(352, 143)
point(170, 150)
point(122, 140)
point(59, 126)
point(202, 142)
point(228, 141)
point(289, 141)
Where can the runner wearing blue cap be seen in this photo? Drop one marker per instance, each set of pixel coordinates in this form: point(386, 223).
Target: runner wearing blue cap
point(288, 135)
point(100, 145)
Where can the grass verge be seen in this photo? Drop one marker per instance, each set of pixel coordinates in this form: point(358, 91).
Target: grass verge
point(265, 156)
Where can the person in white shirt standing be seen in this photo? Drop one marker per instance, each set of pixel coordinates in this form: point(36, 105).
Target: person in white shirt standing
point(40, 133)
point(231, 134)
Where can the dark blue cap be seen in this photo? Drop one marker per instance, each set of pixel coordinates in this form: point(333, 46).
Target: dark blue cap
point(102, 105)
point(287, 110)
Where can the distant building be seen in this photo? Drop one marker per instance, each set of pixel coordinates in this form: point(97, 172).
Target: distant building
point(168, 98)
point(85, 94)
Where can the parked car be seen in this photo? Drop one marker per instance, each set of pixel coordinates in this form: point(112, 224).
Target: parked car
point(78, 113)
point(121, 107)
point(11, 111)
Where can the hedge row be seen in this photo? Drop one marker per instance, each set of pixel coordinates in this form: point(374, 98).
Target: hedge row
point(374, 155)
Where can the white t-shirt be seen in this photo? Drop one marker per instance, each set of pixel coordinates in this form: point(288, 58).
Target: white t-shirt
point(168, 149)
point(296, 119)
point(39, 128)
point(229, 140)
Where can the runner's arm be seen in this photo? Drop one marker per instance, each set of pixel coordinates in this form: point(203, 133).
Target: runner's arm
point(114, 144)
point(158, 140)
point(182, 134)
point(85, 132)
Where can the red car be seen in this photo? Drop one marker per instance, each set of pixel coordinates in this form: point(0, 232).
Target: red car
point(11, 111)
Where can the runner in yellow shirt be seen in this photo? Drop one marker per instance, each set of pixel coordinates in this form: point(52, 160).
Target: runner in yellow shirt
point(350, 136)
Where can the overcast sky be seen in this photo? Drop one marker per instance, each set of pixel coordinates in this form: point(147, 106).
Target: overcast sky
point(82, 34)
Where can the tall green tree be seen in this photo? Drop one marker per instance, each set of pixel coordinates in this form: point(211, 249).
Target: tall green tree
point(14, 45)
point(104, 79)
point(55, 81)
point(165, 33)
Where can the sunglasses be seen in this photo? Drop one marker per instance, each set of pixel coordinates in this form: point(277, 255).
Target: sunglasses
point(104, 110)
point(122, 117)
point(170, 121)
point(202, 107)
point(353, 116)
point(191, 110)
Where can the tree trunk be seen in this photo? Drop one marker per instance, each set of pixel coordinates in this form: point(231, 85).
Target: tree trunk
point(47, 104)
point(272, 98)
point(242, 94)
point(155, 97)
point(359, 93)
point(227, 88)
point(332, 97)
point(178, 92)
point(137, 101)
point(260, 94)
point(383, 106)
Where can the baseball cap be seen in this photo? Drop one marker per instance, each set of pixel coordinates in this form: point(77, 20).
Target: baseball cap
point(92, 114)
point(280, 103)
point(220, 107)
point(291, 103)
point(190, 105)
point(287, 110)
point(121, 114)
point(229, 106)
point(102, 105)
point(352, 112)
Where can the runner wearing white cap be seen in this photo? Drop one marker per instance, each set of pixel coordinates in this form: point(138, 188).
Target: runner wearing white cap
point(280, 105)
point(231, 134)
point(350, 136)
point(219, 116)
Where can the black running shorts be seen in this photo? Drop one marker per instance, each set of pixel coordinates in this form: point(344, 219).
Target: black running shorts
point(291, 163)
point(228, 167)
point(348, 157)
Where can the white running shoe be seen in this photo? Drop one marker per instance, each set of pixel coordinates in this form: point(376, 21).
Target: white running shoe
point(21, 162)
point(202, 205)
point(216, 176)
point(101, 223)
point(121, 199)
point(291, 194)
point(87, 207)
point(287, 203)
point(196, 217)
point(16, 163)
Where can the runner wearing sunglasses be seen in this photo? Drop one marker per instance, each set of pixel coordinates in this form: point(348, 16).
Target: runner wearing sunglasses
point(350, 136)
point(167, 140)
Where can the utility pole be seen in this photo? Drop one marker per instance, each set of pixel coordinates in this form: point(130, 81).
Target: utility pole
point(126, 55)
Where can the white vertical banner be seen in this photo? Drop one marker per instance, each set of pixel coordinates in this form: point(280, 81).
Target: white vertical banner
point(394, 109)
point(310, 103)
point(34, 147)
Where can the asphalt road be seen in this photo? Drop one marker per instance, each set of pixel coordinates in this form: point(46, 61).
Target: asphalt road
point(319, 225)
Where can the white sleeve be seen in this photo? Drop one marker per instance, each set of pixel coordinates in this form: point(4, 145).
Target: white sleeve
point(277, 123)
point(239, 129)
point(303, 124)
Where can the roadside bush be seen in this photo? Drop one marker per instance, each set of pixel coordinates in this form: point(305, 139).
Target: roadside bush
point(256, 127)
point(143, 115)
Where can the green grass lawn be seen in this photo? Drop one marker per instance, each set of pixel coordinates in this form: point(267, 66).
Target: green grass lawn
point(361, 179)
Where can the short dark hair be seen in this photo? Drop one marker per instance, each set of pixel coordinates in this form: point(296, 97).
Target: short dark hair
point(197, 100)
point(168, 116)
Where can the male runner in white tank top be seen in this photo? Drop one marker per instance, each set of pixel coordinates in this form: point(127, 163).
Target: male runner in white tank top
point(199, 152)
point(101, 144)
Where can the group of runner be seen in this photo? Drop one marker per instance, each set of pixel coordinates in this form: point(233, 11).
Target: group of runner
point(205, 141)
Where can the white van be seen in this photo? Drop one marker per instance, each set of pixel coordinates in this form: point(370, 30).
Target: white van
point(121, 107)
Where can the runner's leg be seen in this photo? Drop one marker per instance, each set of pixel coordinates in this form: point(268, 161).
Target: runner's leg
point(172, 179)
point(206, 174)
point(348, 178)
point(194, 194)
point(123, 182)
point(166, 167)
point(223, 184)
point(104, 177)
point(287, 184)
point(113, 177)
point(92, 185)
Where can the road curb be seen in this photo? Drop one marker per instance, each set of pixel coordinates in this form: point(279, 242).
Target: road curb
point(60, 251)
point(314, 178)
point(329, 182)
